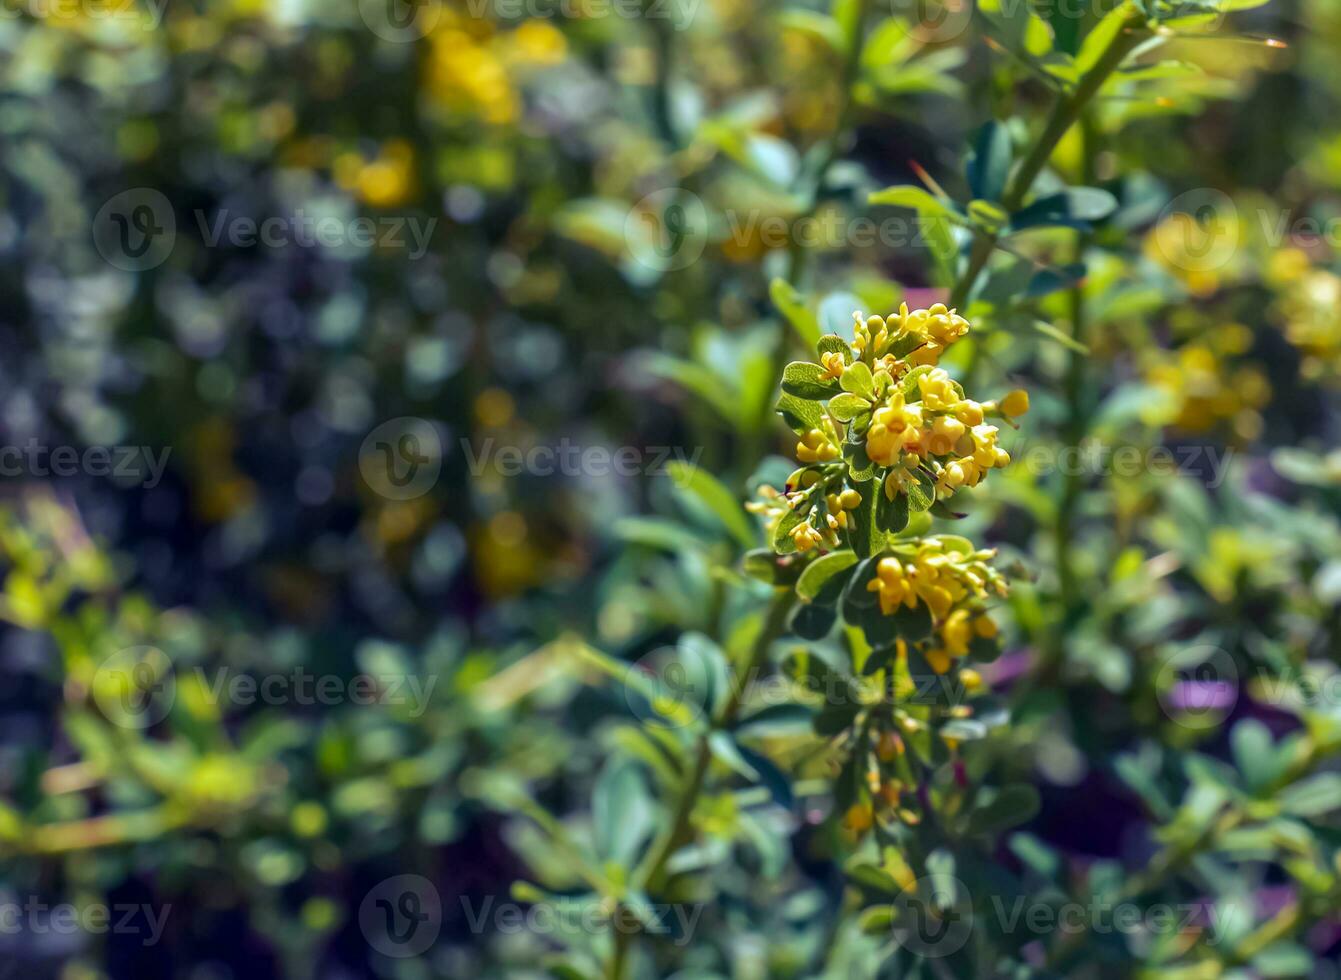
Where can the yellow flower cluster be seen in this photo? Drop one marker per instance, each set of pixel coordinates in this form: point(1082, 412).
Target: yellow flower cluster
point(952, 580)
point(1204, 388)
point(1311, 309)
point(469, 69)
point(941, 431)
point(919, 337)
point(773, 505)
point(885, 394)
point(933, 427)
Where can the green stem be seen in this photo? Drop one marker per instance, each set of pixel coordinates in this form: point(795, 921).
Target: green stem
point(1065, 112)
point(797, 255)
point(680, 830)
point(1077, 426)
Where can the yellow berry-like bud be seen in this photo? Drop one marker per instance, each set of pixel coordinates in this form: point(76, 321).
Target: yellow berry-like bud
point(859, 817)
point(969, 412)
point(1016, 403)
point(971, 678)
point(889, 748)
point(849, 499)
point(985, 627)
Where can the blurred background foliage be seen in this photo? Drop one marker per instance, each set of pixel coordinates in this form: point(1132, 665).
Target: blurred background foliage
point(543, 309)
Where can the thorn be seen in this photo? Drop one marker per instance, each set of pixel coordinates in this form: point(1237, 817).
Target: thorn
point(927, 179)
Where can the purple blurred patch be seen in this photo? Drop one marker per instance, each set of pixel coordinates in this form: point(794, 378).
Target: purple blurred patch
point(1202, 695)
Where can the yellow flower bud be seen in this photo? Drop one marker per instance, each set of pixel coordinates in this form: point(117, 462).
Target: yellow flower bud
point(1016, 403)
point(889, 748)
point(859, 817)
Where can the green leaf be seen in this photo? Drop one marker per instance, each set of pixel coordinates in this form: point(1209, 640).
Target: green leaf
point(806, 380)
point(860, 469)
point(812, 621)
point(1052, 333)
point(719, 501)
point(846, 407)
point(705, 669)
point(782, 534)
point(1075, 207)
point(768, 775)
point(724, 748)
point(831, 343)
point(819, 572)
point(861, 521)
point(622, 812)
point(1011, 806)
point(989, 166)
point(836, 716)
point(911, 196)
point(761, 564)
point(871, 878)
point(920, 491)
point(1101, 36)
point(695, 379)
point(1254, 753)
point(964, 729)
point(1312, 797)
point(820, 26)
point(777, 719)
point(910, 624)
point(1284, 959)
point(988, 216)
point(794, 310)
point(1044, 282)
point(801, 414)
point(911, 392)
point(891, 516)
point(857, 380)
point(858, 604)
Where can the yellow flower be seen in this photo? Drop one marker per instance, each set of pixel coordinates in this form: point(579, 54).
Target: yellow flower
point(816, 447)
point(859, 818)
point(1015, 404)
